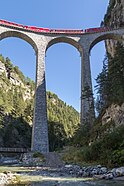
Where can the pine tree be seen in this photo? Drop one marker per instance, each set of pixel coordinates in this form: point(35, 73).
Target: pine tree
point(110, 82)
point(116, 75)
point(102, 87)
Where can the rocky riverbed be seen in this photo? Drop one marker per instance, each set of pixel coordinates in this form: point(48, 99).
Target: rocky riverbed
point(96, 172)
point(33, 171)
point(44, 176)
point(7, 177)
point(54, 161)
point(52, 176)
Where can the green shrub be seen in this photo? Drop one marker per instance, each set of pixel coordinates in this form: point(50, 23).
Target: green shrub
point(86, 154)
point(39, 155)
point(108, 150)
point(117, 158)
point(72, 155)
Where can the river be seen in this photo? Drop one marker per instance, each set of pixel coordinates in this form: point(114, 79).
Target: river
point(36, 176)
point(74, 183)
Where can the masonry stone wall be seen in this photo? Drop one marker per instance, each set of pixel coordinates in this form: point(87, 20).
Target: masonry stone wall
point(41, 42)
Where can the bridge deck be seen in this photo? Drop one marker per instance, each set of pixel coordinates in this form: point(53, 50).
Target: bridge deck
point(14, 150)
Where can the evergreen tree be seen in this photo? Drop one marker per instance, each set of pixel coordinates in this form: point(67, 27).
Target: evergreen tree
point(102, 87)
point(57, 135)
point(18, 102)
point(28, 112)
point(2, 58)
point(110, 82)
point(116, 76)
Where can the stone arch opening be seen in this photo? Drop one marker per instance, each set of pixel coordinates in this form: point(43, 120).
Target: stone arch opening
point(62, 44)
point(67, 40)
point(106, 37)
point(98, 46)
point(26, 41)
point(19, 35)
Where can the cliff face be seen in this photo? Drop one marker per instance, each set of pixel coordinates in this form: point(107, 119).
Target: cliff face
point(114, 18)
point(14, 80)
point(115, 14)
point(2, 68)
point(114, 113)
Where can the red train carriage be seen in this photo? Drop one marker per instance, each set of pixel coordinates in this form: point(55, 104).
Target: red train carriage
point(62, 31)
point(99, 29)
point(10, 23)
point(47, 30)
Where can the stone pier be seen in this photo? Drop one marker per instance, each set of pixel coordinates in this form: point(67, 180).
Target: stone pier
point(41, 42)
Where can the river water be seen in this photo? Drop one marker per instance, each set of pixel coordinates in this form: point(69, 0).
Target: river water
point(39, 176)
point(73, 183)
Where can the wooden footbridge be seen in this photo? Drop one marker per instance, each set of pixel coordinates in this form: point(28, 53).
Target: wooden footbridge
point(14, 150)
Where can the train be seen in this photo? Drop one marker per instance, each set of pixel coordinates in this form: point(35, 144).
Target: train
point(54, 31)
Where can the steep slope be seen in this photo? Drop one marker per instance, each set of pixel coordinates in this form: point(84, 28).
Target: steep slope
point(16, 110)
point(114, 18)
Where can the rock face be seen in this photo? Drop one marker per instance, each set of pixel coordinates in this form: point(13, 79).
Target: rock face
point(114, 18)
point(14, 79)
point(114, 113)
point(2, 68)
point(115, 14)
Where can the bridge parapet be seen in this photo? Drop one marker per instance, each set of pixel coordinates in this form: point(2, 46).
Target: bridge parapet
point(14, 150)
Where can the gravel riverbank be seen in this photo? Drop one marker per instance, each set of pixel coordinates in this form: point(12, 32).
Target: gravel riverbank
point(53, 170)
point(55, 177)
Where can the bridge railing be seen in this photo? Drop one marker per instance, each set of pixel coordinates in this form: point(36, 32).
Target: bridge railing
point(14, 150)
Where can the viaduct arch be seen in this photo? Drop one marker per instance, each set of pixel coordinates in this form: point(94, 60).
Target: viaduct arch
point(117, 37)
point(40, 43)
point(68, 40)
point(19, 35)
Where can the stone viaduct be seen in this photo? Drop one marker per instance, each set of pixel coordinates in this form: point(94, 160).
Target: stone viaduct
point(40, 43)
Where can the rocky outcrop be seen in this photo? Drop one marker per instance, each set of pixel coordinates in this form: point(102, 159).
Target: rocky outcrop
point(2, 68)
point(14, 79)
point(114, 113)
point(114, 18)
point(115, 14)
point(28, 93)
